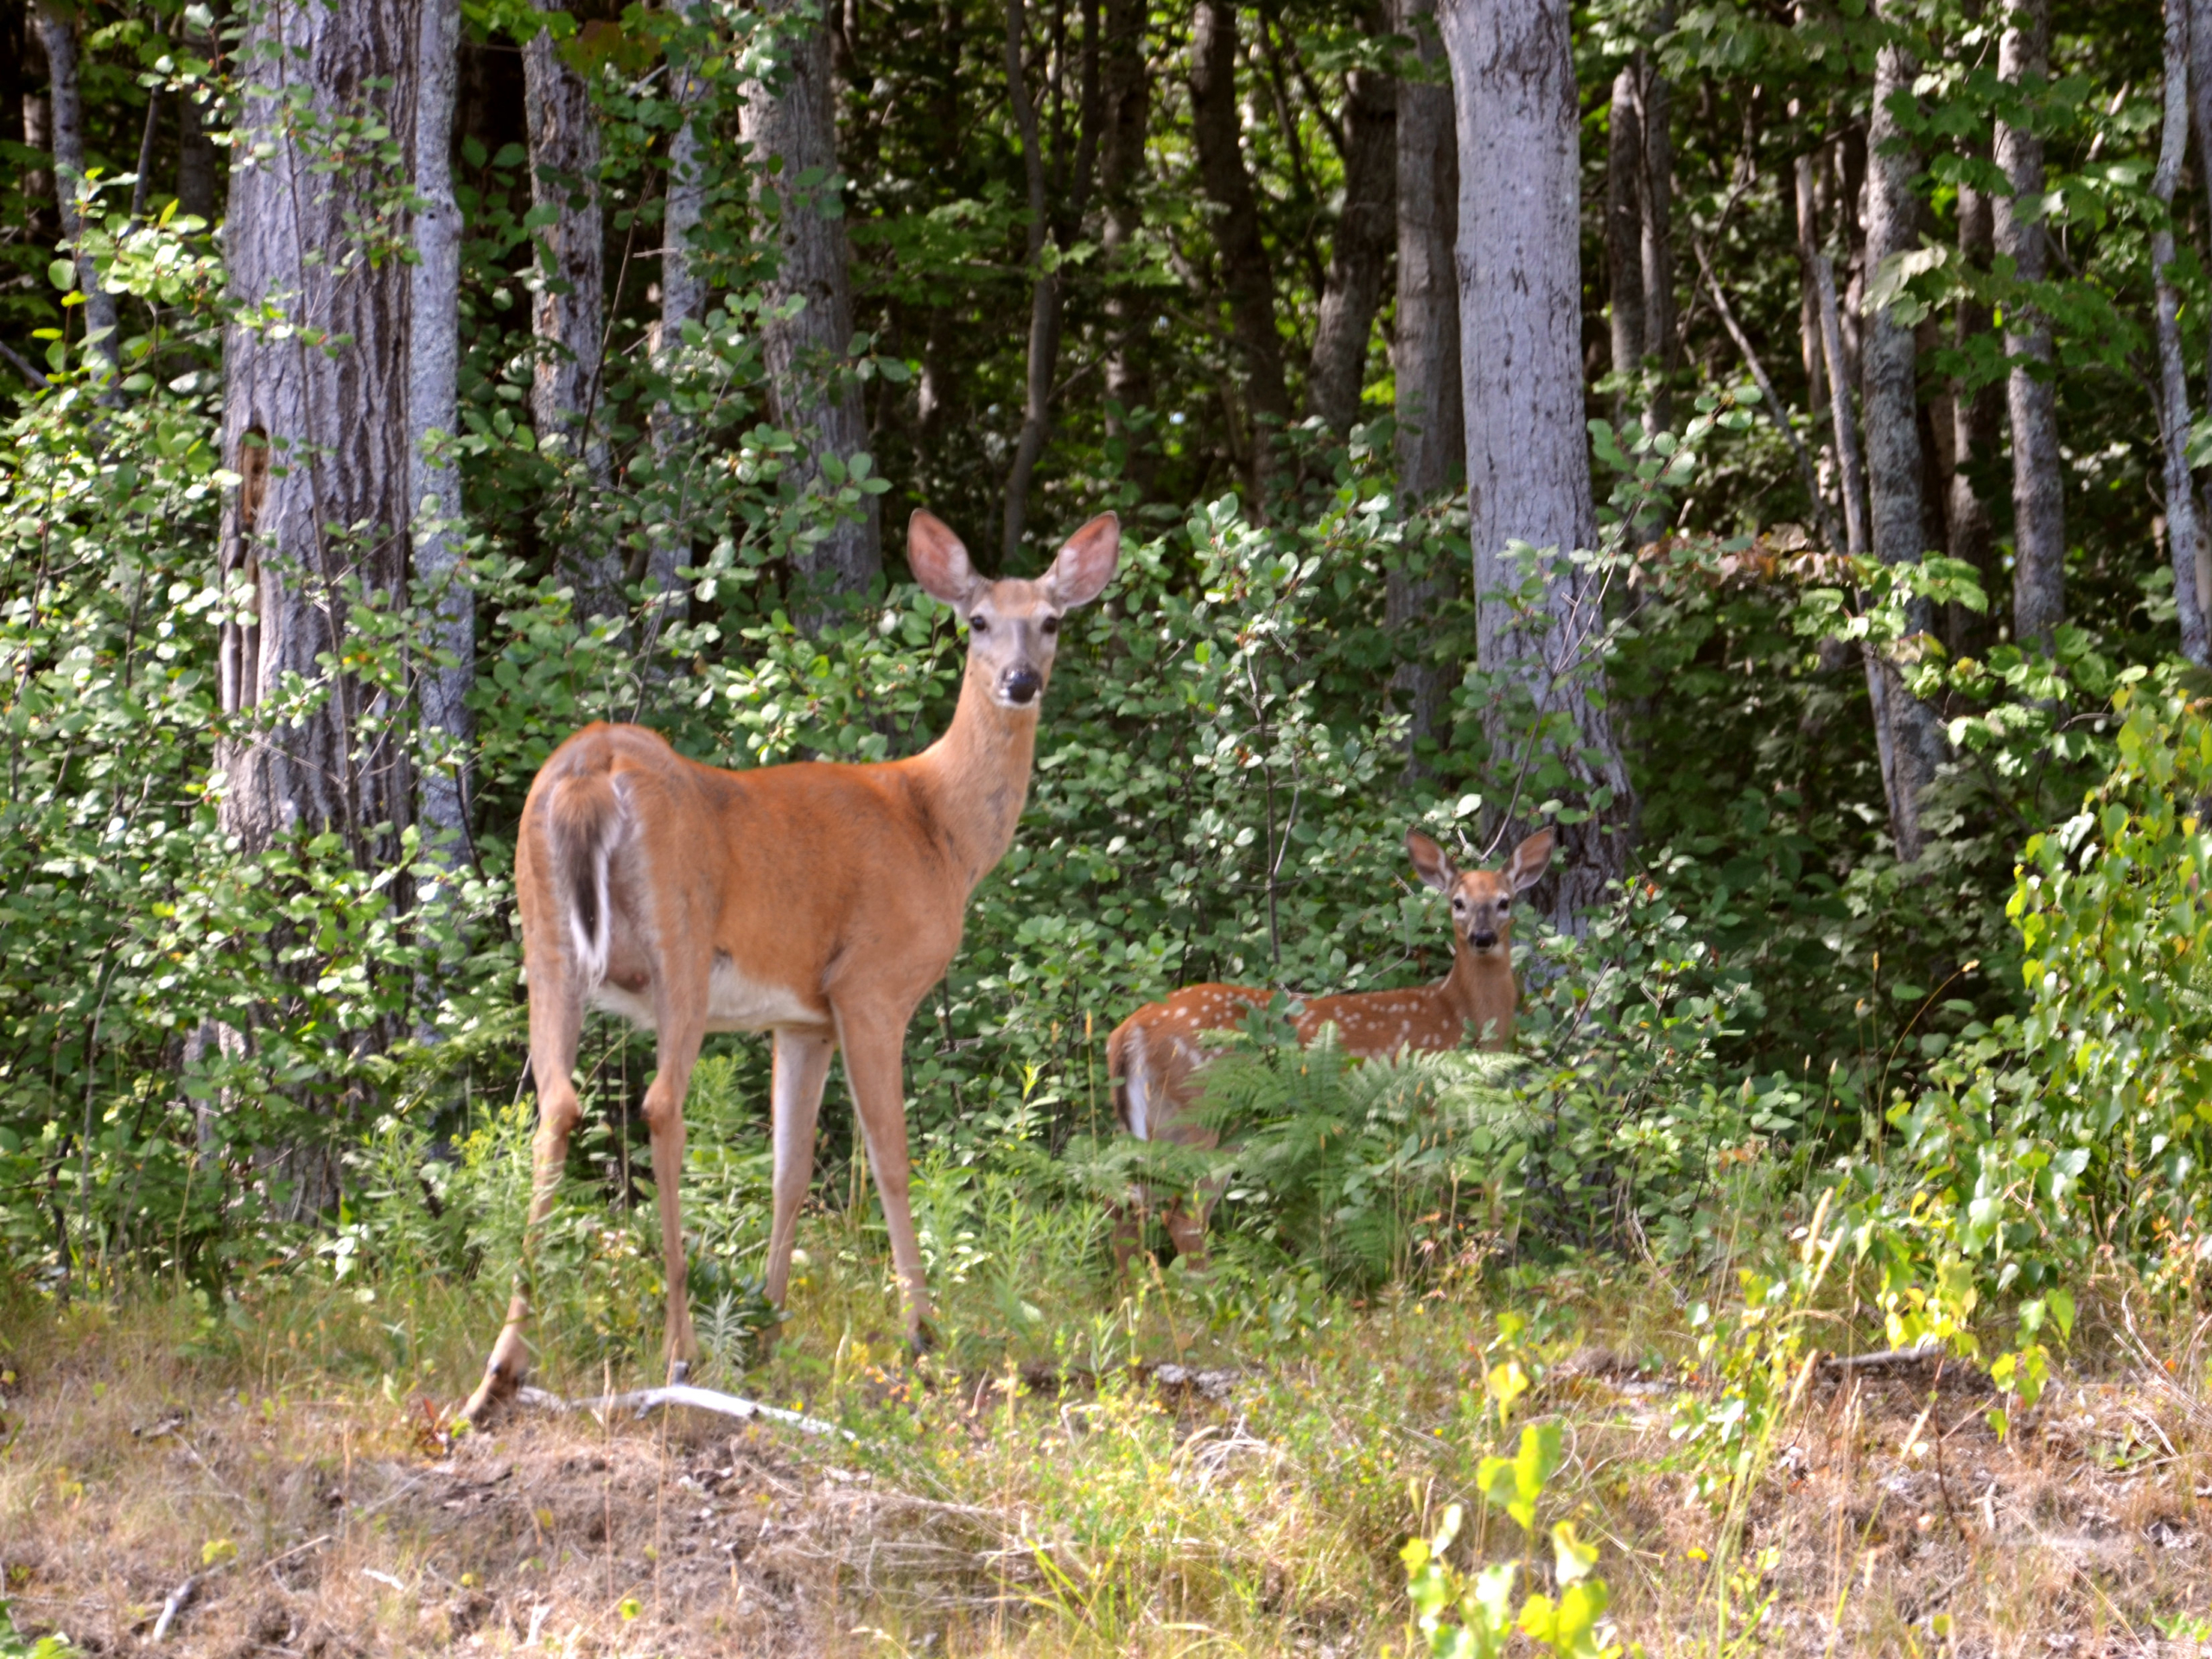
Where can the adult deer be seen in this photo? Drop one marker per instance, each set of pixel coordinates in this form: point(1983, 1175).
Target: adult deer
point(1153, 1056)
point(819, 902)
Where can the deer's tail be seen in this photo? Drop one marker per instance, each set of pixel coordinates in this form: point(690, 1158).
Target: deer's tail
point(1130, 1072)
point(584, 821)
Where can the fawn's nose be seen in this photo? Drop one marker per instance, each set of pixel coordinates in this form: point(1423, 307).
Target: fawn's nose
point(1022, 684)
point(1482, 938)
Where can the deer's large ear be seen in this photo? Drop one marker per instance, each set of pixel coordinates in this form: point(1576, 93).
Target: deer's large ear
point(1434, 868)
point(939, 561)
point(1086, 563)
point(1529, 859)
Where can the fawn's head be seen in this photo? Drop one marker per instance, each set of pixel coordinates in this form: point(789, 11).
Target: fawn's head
point(1481, 901)
point(1013, 626)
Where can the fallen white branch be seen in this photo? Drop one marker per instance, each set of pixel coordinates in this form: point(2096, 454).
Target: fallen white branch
point(179, 1599)
point(681, 1393)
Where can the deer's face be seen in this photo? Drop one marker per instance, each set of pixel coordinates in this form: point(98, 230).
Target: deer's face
point(1013, 626)
point(1482, 913)
point(1481, 901)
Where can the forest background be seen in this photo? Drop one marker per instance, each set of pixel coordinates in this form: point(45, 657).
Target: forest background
point(1765, 442)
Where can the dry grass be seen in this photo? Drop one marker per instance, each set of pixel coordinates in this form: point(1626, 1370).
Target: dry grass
point(1130, 1510)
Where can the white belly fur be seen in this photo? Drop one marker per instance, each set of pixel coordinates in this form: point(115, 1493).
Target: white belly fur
point(734, 1003)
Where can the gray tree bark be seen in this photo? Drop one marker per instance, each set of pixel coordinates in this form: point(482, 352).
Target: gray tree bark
point(1624, 236)
point(433, 486)
point(2200, 104)
point(65, 111)
point(195, 162)
point(790, 123)
point(1519, 261)
point(323, 500)
point(2038, 470)
point(1890, 396)
point(1359, 256)
point(324, 495)
point(682, 299)
point(568, 314)
point(1044, 352)
point(1247, 279)
point(1655, 129)
point(1431, 441)
point(1977, 418)
point(2185, 541)
point(1125, 118)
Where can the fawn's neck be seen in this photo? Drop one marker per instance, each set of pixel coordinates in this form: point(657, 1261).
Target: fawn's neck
point(1481, 991)
point(977, 776)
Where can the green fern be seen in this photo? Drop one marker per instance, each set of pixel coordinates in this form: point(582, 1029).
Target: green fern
point(1369, 1170)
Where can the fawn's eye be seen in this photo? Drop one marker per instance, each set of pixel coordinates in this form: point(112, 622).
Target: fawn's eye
point(981, 623)
point(1459, 904)
point(1052, 625)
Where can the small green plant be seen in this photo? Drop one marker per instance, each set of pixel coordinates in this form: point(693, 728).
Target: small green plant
point(1463, 1615)
point(14, 1644)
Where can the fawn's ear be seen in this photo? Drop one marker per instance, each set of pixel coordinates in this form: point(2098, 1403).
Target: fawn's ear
point(1435, 869)
point(1529, 861)
point(1086, 563)
point(939, 561)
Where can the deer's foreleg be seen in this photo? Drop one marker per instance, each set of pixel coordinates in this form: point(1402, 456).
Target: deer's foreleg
point(873, 1042)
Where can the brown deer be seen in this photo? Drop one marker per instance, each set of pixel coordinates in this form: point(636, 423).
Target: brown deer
point(1155, 1056)
point(816, 901)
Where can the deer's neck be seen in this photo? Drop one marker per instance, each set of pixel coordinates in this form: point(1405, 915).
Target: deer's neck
point(1481, 991)
point(978, 777)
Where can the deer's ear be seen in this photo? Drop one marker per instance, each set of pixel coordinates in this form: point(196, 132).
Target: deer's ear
point(939, 561)
point(1529, 859)
point(1086, 562)
point(1433, 868)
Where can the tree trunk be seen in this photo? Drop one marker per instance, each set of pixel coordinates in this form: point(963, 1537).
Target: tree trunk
point(1216, 130)
point(1359, 259)
point(323, 500)
point(1044, 352)
point(789, 120)
point(1655, 129)
point(40, 219)
point(1625, 238)
point(2185, 542)
point(569, 315)
point(195, 163)
point(433, 486)
point(1520, 267)
point(293, 433)
point(1125, 116)
point(1977, 421)
point(1896, 517)
point(682, 299)
point(2038, 470)
point(1431, 441)
point(2200, 103)
point(1811, 347)
point(66, 110)
point(1881, 687)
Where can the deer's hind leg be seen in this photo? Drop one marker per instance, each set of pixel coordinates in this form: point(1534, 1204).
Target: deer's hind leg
point(557, 1016)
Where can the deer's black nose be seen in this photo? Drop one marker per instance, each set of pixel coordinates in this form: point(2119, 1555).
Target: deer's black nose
point(1484, 940)
point(1022, 684)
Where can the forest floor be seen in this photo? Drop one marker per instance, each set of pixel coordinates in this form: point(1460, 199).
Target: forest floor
point(1251, 1503)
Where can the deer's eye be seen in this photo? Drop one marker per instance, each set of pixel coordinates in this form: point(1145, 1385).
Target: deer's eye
point(1052, 625)
point(980, 623)
point(1459, 904)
